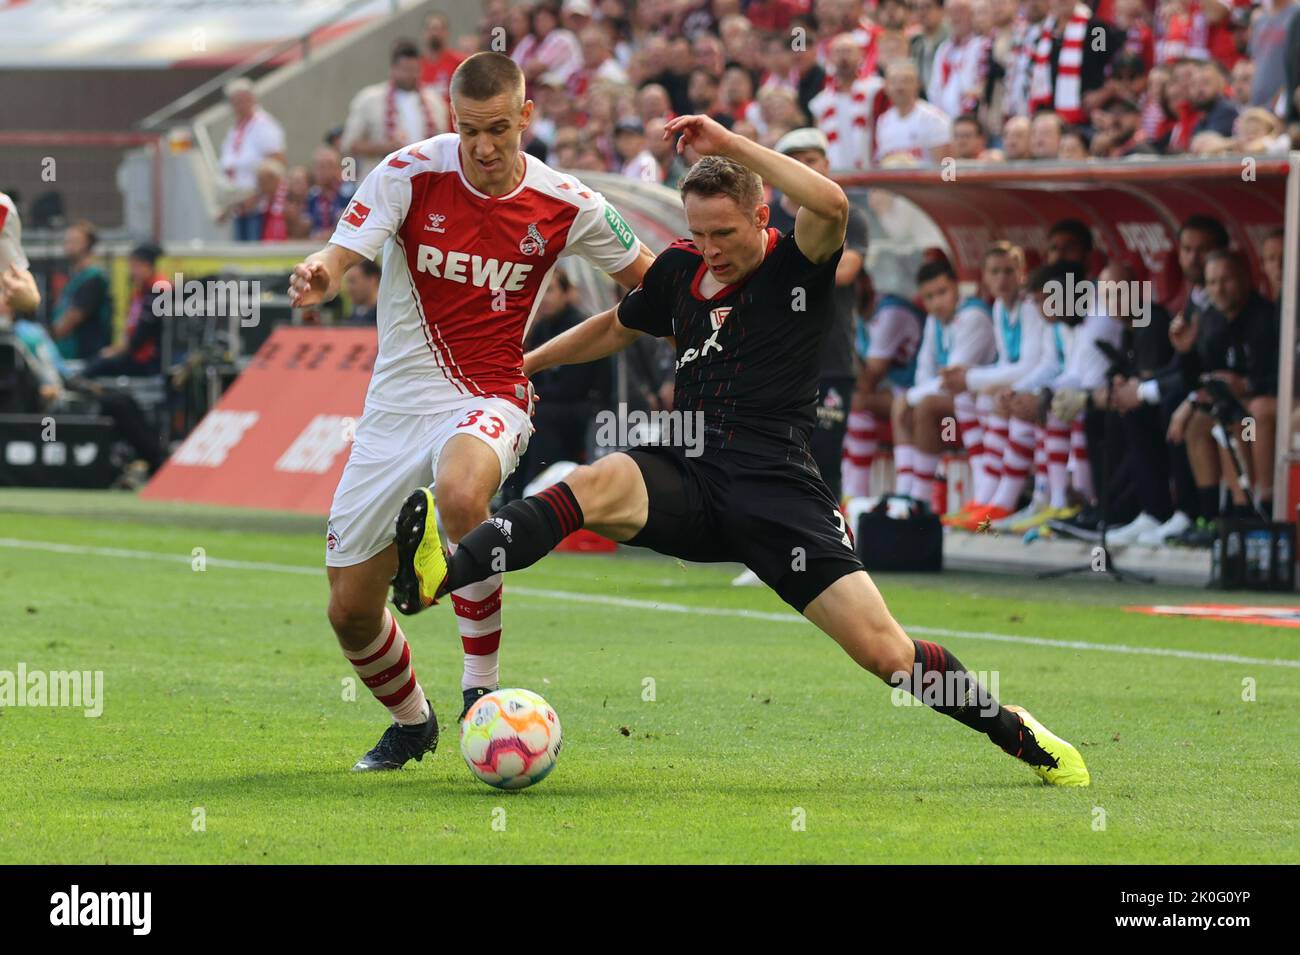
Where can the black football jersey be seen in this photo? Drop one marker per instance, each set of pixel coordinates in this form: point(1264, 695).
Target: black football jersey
point(748, 357)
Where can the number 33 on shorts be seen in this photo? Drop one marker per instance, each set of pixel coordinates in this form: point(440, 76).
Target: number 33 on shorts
point(492, 427)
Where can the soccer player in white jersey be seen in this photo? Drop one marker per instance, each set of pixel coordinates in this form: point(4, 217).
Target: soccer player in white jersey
point(470, 229)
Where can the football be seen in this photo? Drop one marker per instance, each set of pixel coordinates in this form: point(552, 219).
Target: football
point(510, 739)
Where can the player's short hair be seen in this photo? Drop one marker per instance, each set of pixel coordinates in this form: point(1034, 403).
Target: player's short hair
point(1076, 229)
point(485, 75)
point(1235, 259)
point(716, 176)
point(1208, 225)
point(935, 268)
point(1007, 248)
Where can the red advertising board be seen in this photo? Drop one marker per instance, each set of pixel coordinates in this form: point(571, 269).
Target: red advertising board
point(280, 435)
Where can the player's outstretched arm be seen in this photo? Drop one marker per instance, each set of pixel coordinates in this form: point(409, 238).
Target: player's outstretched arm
point(316, 279)
point(599, 336)
point(823, 215)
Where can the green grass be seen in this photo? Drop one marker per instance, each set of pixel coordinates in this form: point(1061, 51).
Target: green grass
point(223, 691)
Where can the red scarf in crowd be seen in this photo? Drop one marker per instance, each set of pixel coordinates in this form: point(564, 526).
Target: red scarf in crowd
point(390, 115)
point(1067, 96)
point(275, 227)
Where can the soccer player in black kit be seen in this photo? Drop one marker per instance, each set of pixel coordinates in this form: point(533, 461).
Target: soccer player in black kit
point(746, 309)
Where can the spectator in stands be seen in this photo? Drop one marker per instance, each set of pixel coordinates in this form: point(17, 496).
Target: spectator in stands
point(968, 139)
point(1218, 114)
point(272, 205)
point(652, 103)
point(1260, 131)
point(957, 332)
point(1075, 145)
point(1124, 135)
point(362, 285)
point(737, 95)
point(911, 126)
point(330, 195)
point(82, 322)
point(549, 49)
point(598, 62)
point(932, 30)
point(254, 138)
point(1268, 49)
point(630, 144)
point(1243, 81)
point(1070, 60)
point(296, 214)
point(1237, 343)
point(440, 59)
point(702, 93)
point(843, 110)
point(958, 71)
point(1045, 132)
point(1016, 139)
point(139, 351)
point(1020, 60)
point(672, 167)
point(386, 116)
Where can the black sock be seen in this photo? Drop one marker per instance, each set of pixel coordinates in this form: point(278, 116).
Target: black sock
point(939, 680)
point(515, 537)
point(1207, 501)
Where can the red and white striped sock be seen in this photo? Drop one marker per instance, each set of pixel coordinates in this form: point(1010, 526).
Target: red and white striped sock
point(478, 615)
point(971, 435)
point(1058, 460)
point(903, 476)
point(989, 474)
point(1080, 466)
point(860, 447)
point(1016, 459)
point(385, 667)
point(924, 468)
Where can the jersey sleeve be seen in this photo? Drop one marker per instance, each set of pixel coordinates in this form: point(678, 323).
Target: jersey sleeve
point(600, 236)
point(646, 308)
point(11, 236)
point(376, 211)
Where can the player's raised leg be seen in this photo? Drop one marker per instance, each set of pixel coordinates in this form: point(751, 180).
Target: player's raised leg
point(852, 611)
point(377, 649)
point(608, 497)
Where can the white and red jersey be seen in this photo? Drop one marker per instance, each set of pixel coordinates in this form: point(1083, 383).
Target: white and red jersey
point(924, 128)
point(847, 117)
point(463, 272)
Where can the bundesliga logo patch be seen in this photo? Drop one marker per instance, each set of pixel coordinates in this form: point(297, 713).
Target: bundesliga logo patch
point(356, 213)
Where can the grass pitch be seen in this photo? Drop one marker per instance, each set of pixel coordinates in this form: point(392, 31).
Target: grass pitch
point(717, 728)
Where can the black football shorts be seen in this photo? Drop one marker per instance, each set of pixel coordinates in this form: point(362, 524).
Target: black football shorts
point(771, 512)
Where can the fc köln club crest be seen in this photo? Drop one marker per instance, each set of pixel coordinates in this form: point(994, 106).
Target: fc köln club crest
point(718, 316)
point(533, 243)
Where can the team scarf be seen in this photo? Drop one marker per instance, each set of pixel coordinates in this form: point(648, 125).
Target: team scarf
point(390, 115)
point(275, 227)
point(1022, 65)
point(1067, 97)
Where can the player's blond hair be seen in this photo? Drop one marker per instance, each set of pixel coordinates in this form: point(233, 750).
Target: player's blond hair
point(716, 176)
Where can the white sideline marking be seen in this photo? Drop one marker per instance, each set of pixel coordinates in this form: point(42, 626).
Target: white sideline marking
point(630, 602)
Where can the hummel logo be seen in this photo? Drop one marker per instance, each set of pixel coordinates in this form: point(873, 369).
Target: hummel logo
point(504, 526)
point(436, 219)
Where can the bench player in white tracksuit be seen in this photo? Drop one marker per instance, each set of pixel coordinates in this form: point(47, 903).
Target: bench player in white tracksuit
point(470, 229)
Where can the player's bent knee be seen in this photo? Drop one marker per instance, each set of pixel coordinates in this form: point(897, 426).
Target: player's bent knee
point(461, 509)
